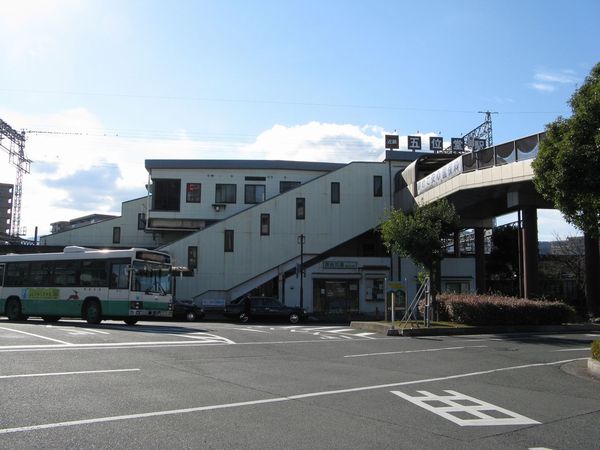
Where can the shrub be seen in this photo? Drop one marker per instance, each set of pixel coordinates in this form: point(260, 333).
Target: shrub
point(474, 309)
point(596, 350)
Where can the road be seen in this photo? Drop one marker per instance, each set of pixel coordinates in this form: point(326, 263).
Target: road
point(218, 385)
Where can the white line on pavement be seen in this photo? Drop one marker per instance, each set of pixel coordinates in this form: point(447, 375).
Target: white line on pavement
point(37, 336)
point(581, 349)
point(269, 400)
point(56, 374)
point(415, 351)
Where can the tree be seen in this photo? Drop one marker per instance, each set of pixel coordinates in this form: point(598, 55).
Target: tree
point(420, 234)
point(566, 173)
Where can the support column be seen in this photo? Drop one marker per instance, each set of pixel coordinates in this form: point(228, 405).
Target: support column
point(530, 252)
point(480, 260)
point(457, 244)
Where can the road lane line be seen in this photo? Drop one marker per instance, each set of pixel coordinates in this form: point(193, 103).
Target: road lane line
point(37, 336)
point(56, 374)
point(581, 349)
point(415, 351)
point(171, 412)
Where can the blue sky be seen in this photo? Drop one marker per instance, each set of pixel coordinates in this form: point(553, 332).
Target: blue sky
point(313, 80)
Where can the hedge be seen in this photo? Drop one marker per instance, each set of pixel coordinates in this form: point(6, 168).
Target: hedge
point(471, 309)
point(596, 350)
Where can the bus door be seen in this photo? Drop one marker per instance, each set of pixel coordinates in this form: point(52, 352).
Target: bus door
point(118, 289)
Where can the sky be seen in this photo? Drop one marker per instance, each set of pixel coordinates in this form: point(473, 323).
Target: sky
point(101, 86)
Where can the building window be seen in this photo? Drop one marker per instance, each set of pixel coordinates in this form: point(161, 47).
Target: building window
point(141, 221)
point(193, 192)
point(225, 193)
point(228, 240)
point(254, 193)
point(378, 186)
point(285, 186)
point(265, 224)
point(335, 192)
point(166, 194)
point(192, 257)
point(116, 235)
point(300, 208)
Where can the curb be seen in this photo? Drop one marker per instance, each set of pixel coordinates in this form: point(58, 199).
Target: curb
point(386, 329)
point(594, 367)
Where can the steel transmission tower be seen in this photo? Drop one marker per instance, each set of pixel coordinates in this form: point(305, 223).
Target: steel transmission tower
point(16, 157)
point(483, 131)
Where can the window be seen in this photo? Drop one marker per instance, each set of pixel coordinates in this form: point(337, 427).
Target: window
point(285, 186)
point(193, 192)
point(265, 224)
point(378, 186)
point(225, 193)
point(335, 192)
point(141, 221)
point(66, 273)
point(300, 208)
point(192, 257)
point(254, 193)
point(116, 235)
point(228, 240)
point(17, 274)
point(255, 178)
point(93, 273)
point(41, 273)
point(119, 276)
point(166, 194)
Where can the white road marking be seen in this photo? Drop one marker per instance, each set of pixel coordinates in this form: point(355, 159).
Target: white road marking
point(89, 330)
point(581, 349)
point(269, 400)
point(56, 374)
point(206, 337)
point(415, 351)
point(457, 406)
point(250, 329)
point(37, 336)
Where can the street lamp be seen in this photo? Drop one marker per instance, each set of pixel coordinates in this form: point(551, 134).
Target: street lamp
point(301, 240)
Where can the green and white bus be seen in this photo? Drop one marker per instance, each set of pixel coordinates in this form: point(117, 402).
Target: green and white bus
point(92, 284)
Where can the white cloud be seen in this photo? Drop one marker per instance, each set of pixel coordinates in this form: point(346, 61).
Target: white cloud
point(549, 81)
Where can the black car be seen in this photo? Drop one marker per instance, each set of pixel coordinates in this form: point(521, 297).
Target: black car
point(263, 308)
point(187, 310)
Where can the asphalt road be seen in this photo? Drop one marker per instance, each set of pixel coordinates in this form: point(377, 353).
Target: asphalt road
point(223, 385)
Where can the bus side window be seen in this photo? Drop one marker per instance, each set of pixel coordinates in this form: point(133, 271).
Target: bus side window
point(1, 274)
point(119, 276)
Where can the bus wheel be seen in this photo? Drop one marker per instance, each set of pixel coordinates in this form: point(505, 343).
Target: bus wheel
point(92, 312)
point(50, 319)
point(13, 309)
point(130, 321)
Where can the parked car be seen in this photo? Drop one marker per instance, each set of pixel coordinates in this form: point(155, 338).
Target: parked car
point(187, 310)
point(263, 308)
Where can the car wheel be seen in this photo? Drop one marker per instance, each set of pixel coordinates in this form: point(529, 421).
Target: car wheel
point(244, 318)
point(93, 313)
point(13, 309)
point(191, 316)
point(130, 321)
point(294, 318)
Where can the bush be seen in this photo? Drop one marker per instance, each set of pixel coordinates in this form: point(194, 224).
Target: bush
point(471, 309)
point(596, 350)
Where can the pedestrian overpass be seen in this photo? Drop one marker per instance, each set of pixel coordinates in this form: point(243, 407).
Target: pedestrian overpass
point(481, 185)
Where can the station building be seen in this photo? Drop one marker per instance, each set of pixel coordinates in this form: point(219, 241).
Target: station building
point(304, 232)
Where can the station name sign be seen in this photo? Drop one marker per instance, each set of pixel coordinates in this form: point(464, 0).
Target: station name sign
point(392, 141)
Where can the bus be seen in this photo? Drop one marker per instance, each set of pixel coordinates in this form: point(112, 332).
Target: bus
point(129, 284)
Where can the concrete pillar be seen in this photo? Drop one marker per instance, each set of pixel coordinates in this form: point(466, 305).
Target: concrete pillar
point(530, 252)
point(480, 261)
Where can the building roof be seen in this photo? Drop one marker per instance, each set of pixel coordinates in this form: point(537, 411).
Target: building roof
point(240, 164)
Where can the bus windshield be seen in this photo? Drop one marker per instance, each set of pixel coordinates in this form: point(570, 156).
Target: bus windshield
point(151, 277)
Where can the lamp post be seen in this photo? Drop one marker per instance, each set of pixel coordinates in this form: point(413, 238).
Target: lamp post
point(301, 240)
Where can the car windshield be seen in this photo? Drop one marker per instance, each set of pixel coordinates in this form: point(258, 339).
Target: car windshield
point(151, 278)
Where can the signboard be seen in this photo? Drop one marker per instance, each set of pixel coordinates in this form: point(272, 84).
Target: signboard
point(340, 265)
point(414, 143)
point(444, 173)
point(392, 141)
point(478, 144)
point(458, 145)
point(436, 144)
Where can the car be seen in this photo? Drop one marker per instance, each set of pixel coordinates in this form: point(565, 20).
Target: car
point(187, 310)
point(263, 308)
